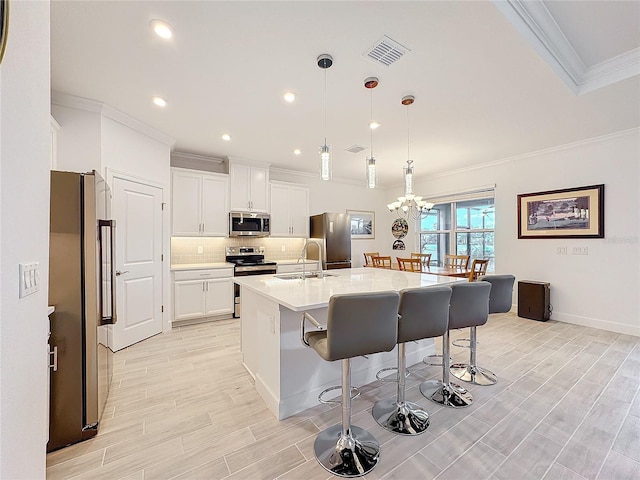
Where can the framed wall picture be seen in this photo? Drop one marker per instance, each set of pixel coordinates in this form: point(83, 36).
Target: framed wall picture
point(4, 26)
point(569, 213)
point(362, 224)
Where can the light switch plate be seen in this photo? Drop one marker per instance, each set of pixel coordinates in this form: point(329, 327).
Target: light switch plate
point(29, 278)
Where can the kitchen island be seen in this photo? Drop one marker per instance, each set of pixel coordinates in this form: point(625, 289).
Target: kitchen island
point(289, 376)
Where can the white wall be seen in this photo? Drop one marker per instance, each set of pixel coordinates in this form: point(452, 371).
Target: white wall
point(91, 137)
point(339, 196)
point(24, 237)
point(78, 139)
point(599, 289)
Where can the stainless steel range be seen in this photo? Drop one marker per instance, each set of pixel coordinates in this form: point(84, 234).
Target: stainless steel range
point(247, 261)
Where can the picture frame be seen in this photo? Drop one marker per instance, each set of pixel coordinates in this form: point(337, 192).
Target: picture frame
point(567, 213)
point(363, 224)
point(4, 26)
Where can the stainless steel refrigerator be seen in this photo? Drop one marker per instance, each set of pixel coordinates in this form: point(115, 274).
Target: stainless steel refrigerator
point(82, 289)
point(334, 232)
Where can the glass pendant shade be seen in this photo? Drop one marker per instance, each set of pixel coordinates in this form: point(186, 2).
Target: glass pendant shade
point(371, 172)
point(325, 162)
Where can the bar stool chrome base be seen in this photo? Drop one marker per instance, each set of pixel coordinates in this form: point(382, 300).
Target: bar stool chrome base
point(352, 455)
point(473, 374)
point(451, 395)
point(404, 418)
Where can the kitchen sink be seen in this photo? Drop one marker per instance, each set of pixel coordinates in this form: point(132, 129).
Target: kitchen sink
point(298, 275)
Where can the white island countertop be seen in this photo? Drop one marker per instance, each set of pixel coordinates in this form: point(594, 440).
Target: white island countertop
point(299, 295)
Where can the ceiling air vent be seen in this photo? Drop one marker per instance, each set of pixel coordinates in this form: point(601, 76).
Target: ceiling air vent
point(386, 51)
point(355, 149)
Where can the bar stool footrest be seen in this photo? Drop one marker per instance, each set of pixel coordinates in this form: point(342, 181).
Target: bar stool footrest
point(355, 393)
point(426, 361)
point(466, 342)
point(390, 380)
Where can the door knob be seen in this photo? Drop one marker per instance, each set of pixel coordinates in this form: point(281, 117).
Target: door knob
point(118, 272)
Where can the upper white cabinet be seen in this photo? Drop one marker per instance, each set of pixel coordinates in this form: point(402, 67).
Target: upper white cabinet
point(199, 203)
point(289, 210)
point(249, 187)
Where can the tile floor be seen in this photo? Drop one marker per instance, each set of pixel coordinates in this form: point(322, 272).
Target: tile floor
point(182, 406)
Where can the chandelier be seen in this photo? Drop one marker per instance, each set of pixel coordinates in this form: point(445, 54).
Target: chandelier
point(325, 61)
point(409, 205)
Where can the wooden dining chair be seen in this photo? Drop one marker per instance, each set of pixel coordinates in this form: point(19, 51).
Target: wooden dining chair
point(459, 261)
point(425, 258)
point(368, 261)
point(409, 264)
point(382, 262)
point(478, 269)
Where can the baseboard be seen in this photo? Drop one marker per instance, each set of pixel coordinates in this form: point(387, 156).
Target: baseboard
point(597, 323)
point(195, 321)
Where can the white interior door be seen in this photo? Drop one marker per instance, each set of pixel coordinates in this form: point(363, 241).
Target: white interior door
point(138, 215)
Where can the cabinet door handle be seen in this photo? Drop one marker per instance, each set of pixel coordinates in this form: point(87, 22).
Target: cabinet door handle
point(54, 354)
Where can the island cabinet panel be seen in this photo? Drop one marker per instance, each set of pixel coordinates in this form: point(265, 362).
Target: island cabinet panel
point(199, 203)
point(289, 210)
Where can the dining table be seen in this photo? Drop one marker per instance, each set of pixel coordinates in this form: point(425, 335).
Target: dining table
point(460, 272)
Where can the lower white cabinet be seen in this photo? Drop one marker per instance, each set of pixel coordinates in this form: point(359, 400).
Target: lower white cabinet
point(202, 293)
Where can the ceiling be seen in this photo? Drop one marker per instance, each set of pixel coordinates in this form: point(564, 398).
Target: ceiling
point(485, 90)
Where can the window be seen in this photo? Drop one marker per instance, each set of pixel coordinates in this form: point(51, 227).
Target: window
point(463, 227)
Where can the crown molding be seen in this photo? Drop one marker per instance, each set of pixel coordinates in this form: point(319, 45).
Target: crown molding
point(533, 21)
point(316, 176)
point(537, 153)
point(88, 105)
point(198, 158)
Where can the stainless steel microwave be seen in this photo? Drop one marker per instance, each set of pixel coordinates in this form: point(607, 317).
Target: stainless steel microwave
point(249, 224)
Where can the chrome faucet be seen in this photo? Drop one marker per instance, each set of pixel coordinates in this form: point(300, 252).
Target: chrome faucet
point(303, 255)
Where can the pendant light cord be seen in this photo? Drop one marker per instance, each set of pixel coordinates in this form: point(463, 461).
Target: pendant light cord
point(325, 106)
point(370, 122)
point(408, 138)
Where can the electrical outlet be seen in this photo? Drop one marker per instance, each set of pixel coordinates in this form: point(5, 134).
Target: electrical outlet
point(283, 248)
point(580, 251)
point(200, 249)
point(561, 250)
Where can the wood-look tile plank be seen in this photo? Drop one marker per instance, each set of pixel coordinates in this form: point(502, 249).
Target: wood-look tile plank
point(628, 441)
point(619, 467)
point(272, 466)
point(267, 446)
point(416, 467)
point(479, 461)
point(76, 466)
point(530, 460)
point(213, 470)
point(560, 472)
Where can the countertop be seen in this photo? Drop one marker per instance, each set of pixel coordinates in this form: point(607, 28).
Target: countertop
point(299, 295)
point(200, 266)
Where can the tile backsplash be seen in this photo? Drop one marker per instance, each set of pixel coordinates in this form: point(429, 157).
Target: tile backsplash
point(184, 250)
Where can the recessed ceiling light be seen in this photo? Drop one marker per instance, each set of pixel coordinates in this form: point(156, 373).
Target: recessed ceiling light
point(297, 151)
point(159, 101)
point(226, 137)
point(162, 29)
point(374, 125)
point(289, 97)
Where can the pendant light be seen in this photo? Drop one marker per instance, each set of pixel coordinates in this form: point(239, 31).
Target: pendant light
point(325, 61)
point(409, 205)
point(370, 162)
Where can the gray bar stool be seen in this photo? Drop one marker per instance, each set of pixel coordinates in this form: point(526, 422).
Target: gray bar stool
point(469, 307)
point(357, 324)
point(423, 313)
point(500, 298)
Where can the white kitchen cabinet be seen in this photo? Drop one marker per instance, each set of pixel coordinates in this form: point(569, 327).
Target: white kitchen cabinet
point(199, 203)
point(289, 210)
point(249, 189)
point(202, 293)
